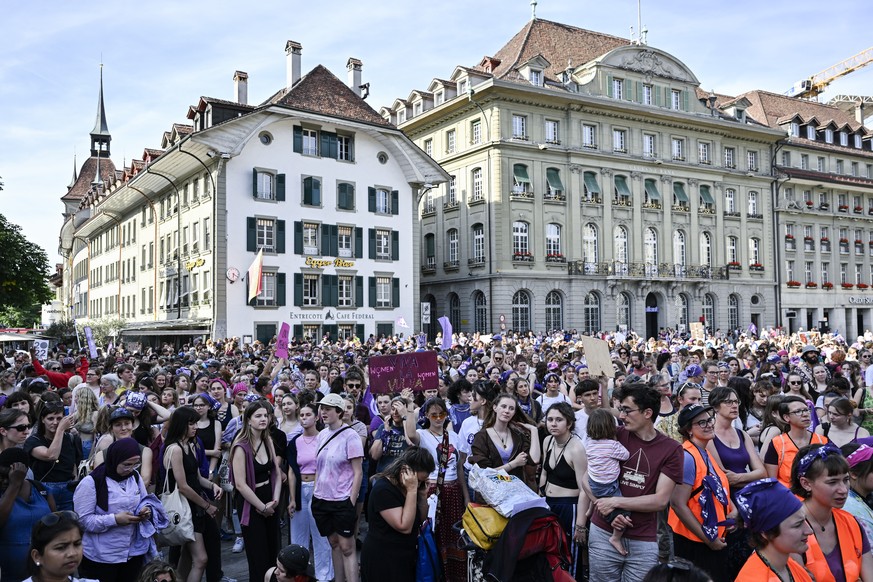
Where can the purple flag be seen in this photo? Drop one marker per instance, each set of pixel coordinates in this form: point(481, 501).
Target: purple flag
point(447, 332)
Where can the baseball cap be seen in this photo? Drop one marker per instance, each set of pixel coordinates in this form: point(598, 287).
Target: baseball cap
point(689, 413)
point(120, 413)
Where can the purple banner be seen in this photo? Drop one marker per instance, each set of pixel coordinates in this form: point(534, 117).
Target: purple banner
point(417, 371)
point(282, 341)
point(447, 332)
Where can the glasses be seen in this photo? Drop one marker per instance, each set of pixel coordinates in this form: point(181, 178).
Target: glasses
point(133, 467)
point(51, 519)
point(795, 383)
point(708, 421)
point(625, 410)
point(20, 427)
point(200, 405)
point(353, 385)
point(800, 412)
point(437, 415)
point(731, 402)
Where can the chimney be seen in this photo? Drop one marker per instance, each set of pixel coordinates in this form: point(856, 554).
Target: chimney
point(241, 87)
point(354, 66)
point(860, 112)
point(292, 62)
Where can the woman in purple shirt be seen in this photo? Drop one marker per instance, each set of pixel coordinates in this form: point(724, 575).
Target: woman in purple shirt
point(107, 502)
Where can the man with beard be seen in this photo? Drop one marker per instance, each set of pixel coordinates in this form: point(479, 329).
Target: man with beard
point(809, 357)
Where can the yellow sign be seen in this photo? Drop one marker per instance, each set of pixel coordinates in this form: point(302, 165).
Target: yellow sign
point(194, 264)
point(321, 263)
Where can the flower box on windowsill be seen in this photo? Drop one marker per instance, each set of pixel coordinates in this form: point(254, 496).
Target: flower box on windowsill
point(807, 239)
point(843, 208)
point(555, 197)
point(870, 211)
point(824, 206)
point(556, 258)
point(811, 285)
point(521, 195)
point(862, 286)
point(858, 241)
point(735, 266)
point(847, 285)
point(844, 241)
point(827, 285)
point(522, 257)
point(809, 203)
point(590, 200)
point(451, 265)
point(428, 269)
point(789, 237)
point(732, 214)
point(453, 205)
point(756, 267)
point(825, 239)
point(793, 284)
point(680, 208)
point(707, 210)
point(652, 205)
point(859, 210)
point(476, 262)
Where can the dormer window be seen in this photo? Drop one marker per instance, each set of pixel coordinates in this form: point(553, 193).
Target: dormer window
point(858, 141)
point(844, 139)
point(618, 88)
point(829, 135)
point(401, 116)
point(794, 130)
point(417, 108)
point(536, 77)
point(439, 97)
point(810, 132)
point(462, 86)
point(741, 115)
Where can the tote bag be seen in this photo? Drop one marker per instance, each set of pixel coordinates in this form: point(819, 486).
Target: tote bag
point(180, 529)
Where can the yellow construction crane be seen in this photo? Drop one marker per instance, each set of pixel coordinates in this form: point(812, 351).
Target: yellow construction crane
point(813, 86)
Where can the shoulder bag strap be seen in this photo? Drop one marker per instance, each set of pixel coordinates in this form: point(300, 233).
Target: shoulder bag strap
point(333, 436)
point(167, 470)
point(441, 474)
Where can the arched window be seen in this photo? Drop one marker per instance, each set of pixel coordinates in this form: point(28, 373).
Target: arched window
point(733, 312)
point(480, 312)
point(521, 311)
point(553, 240)
point(455, 311)
point(478, 192)
point(520, 243)
point(732, 251)
point(590, 252)
point(679, 251)
point(709, 311)
point(621, 244)
point(650, 252)
point(753, 202)
point(452, 246)
point(682, 310)
point(705, 249)
point(730, 200)
point(478, 245)
point(591, 313)
point(754, 251)
point(623, 310)
point(554, 311)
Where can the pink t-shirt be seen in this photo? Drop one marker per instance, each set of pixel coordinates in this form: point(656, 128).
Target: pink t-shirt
point(334, 473)
point(306, 447)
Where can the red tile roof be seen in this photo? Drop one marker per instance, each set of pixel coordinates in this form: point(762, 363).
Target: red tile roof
point(769, 108)
point(86, 175)
point(320, 91)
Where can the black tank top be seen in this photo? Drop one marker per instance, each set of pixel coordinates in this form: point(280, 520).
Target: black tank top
point(562, 475)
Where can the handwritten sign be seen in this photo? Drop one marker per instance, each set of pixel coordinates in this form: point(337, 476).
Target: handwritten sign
point(89, 337)
point(417, 371)
point(696, 330)
point(597, 356)
point(282, 341)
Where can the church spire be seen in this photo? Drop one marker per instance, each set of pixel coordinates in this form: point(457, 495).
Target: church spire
point(75, 177)
point(100, 136)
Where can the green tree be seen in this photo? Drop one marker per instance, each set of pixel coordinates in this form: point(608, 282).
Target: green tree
point(23, 271)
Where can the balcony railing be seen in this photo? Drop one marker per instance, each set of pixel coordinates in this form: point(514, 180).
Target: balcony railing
point(647, 270)
point(590, 200)
point(451, 265)
point(521, 195)
point(476, 262)
point(555, 197)
point(451, 205)
point(522, 257)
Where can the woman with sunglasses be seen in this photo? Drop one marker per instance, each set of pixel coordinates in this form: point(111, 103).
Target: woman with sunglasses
point(55, 548)
point(700, 506)
point(109, 502)
point(780, 452)
point(443, 445)
point(838, 548)
point(14, 428)
point(54, 452)
point(22, 503)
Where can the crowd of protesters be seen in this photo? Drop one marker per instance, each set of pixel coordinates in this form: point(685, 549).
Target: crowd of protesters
point(672, 459)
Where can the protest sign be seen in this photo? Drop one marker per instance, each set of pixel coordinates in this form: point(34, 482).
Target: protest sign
point(41, 347)
point(282, 341)
point(89, 338)
point(696, 330)
point(597, 356)
point(417, 371)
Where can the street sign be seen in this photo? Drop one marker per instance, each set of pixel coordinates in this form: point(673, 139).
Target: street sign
point(425, 312)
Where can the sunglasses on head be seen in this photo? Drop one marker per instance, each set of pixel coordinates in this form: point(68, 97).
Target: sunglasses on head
point(51, 519)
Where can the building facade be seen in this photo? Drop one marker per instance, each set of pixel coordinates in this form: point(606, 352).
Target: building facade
point(608, 193)
point(313, 180)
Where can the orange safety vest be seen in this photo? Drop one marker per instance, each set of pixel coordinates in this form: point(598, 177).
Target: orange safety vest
point(755, 570)
point(787, 450)
point(849, 539)
point(701, 468)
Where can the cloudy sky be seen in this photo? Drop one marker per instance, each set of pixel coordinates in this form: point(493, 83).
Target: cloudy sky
point(160, 56)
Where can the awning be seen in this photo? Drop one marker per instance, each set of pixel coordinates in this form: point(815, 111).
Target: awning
point(554, 179)
point(167, 332)
point(679, 192)
point(591, 183)
point(520, 173)
point(652, 190)
point(19, 337)
point(706, 195)
point(621, 186)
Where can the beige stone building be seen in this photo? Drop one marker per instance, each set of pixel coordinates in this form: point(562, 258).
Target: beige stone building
point(593, 186)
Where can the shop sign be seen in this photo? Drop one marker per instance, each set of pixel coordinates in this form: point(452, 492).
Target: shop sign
point(331, 316)
point(322, 263)
point(861, 300)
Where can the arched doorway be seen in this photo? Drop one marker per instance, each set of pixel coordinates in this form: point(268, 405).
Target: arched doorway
point(651, 315)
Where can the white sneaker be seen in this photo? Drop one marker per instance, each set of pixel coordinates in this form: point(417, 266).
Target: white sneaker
point(238, 546)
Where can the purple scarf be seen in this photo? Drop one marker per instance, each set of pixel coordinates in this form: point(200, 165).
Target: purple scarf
point(118, 452)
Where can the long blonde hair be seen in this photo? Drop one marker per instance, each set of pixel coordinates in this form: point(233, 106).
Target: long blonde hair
point(86, 403)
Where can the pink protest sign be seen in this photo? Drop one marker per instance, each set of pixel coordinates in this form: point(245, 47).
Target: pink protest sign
point(415, 370)
point(282, 341)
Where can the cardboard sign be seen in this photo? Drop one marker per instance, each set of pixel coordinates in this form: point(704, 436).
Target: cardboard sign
point(597, 356)
point(41, 347)
point(696, 330)
point(417, 371)
point(282, 341)
point(89, 337)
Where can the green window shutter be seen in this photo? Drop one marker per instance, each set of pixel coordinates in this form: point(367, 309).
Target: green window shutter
point(371, 199)
point(298, 238)
point(608, 91)
point(684, 100)
point(395, 202)
point(280, 236)
point(325, 144)
point(656, 89)
point(254, 183)
point(325, 239)
point(298, 289)
point(359, 291)
point(297, 332)
point(345, 196)
point(280, 187)
point(334, 241)
point(359, 331)
point(668, 102)
point(395, 245)
point(372, 284)
point(639, 92)
point(326, 291)
point(395, 292)
point(316, 192)
point(247, 291)
point(627, 89)
point(307, 191)
point(251, 235)
point(280, 289)
point(359, 242)
point(298, 139)
point(372, 243)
